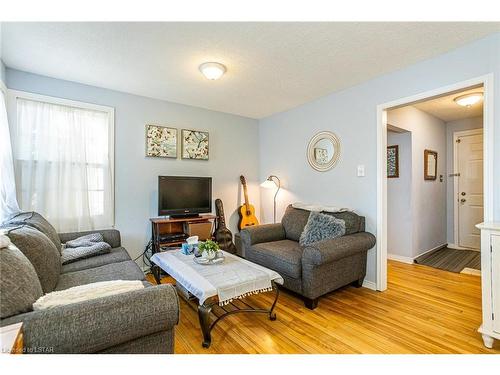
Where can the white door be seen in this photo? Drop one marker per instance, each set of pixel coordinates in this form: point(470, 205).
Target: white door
point(469, 158)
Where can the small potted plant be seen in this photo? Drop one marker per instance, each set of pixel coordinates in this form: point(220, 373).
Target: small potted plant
point(208, 249)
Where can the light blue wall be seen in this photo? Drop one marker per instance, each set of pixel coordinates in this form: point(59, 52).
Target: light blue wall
point(2, 72)
point(352, 115)
point(233, 149)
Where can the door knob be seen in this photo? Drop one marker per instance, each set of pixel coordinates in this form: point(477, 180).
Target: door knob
point(462, 193)
point(462, 200)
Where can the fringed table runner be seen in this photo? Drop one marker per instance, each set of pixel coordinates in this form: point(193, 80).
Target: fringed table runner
point(235, 278)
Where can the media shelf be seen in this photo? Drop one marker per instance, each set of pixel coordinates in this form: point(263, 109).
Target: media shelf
point(162, 228)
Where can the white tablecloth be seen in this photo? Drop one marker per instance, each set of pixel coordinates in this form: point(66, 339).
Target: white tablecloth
point(234, 278)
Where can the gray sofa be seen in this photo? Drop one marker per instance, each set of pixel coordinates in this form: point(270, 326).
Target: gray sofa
point(141, 321)
point(316, 269)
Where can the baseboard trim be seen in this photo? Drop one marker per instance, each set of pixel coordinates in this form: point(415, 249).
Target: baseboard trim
point(432, 250)
point(369, 284)
point(400, 258)
point(456, 247)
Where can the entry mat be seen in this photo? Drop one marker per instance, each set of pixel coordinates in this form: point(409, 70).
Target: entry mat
point(451, 259)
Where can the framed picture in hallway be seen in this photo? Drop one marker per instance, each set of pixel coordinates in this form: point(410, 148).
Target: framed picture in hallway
point(393, 161)
point(430, 164)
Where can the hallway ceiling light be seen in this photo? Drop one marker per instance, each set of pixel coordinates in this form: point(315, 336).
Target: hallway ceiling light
point(469, 100)
point(212, 70)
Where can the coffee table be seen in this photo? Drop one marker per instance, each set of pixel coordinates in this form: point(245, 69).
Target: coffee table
point(219, 285)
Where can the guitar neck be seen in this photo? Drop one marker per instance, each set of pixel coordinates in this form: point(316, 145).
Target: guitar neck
point(246, 195)
point(219, 208)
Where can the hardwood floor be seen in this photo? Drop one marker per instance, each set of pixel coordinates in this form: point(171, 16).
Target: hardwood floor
point(424, 310)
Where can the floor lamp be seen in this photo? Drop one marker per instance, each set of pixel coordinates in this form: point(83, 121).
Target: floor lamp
point(272, 182)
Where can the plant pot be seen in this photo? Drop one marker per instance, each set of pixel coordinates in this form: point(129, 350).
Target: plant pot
point(209, 255)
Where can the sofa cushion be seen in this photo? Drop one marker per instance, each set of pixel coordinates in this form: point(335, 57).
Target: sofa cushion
point(118, 254)
point(321, 227)
point(40, 251)
point(294, 222)
point(19, 284)
point(284, 257)
point(127, 270)
point(353, 222)
point(37, 221)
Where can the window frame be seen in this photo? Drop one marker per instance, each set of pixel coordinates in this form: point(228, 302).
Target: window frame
point(13, 95)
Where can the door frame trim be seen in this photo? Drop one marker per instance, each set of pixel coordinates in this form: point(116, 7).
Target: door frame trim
point(456, 135)
point(487, 82)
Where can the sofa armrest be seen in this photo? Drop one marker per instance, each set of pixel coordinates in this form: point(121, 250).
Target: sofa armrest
point(327, 251)
point(94, 325)
point(111, 236)
point(262, 233)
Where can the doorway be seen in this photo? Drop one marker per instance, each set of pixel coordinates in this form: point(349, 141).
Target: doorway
point(468, 187)
point(486, 83)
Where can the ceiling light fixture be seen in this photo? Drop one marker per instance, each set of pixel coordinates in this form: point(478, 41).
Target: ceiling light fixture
point(212, 70)
point(469, 100)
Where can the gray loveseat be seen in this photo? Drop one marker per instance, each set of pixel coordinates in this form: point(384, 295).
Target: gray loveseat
point(141, 321)
point(318, 268)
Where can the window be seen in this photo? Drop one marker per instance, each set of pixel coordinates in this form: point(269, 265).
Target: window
point(63, 154)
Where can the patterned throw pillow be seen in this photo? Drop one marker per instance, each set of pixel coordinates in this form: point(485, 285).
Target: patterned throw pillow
point(72, 254)
point(321, 227)
point(87, 240)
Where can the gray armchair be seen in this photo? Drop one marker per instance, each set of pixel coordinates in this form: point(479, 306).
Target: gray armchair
point(318, 268)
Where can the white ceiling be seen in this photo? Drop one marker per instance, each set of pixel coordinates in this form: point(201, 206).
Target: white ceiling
point(446, 109)
point(272, 67)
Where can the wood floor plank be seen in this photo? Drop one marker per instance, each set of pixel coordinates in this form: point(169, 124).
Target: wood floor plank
point(424, 310)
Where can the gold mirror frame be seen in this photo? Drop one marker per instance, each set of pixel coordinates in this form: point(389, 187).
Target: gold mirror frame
point(332, 137)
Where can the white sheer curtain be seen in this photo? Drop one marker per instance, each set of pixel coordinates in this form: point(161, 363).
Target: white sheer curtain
point(8, 202)
point(63, 164)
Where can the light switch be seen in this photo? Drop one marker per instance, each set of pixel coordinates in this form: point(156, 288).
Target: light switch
point(361, 170)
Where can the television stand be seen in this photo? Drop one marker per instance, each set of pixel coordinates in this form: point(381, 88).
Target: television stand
point(184, 216)
point(172, 232)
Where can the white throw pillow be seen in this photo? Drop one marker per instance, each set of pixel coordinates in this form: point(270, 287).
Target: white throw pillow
point(86, 292)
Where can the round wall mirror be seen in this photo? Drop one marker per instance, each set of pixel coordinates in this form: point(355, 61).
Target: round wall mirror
point(323, 151)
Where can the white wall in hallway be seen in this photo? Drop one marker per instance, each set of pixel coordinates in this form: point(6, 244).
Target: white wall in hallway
point(399, 204)
point(428, 196)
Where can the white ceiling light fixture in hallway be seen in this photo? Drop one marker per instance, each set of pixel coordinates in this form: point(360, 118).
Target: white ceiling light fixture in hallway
point(469, 100)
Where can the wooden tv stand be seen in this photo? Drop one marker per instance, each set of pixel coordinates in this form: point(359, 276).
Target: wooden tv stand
point(164, 227)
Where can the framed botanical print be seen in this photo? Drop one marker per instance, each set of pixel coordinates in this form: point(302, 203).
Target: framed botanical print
point(430, 164)
point(195, 144)
point(393, 161)
point(161, 141)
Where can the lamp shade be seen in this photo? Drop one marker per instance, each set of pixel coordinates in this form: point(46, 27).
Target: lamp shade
point(268, 184)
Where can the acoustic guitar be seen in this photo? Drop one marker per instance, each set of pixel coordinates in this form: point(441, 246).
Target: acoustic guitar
point(246, 211)
point(223, 236)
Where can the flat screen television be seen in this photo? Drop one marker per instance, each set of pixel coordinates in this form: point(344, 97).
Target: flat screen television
point(180, 196)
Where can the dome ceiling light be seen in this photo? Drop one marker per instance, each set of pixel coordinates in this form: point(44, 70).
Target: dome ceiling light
point(468, 100)
point(212, 70)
